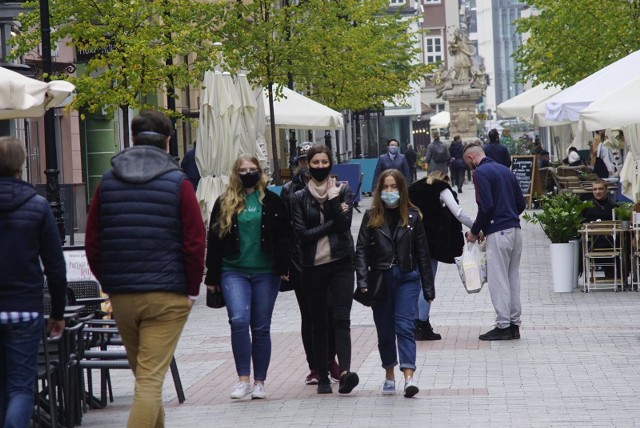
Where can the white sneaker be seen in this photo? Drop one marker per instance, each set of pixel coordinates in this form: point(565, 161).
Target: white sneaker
point(389, 387)
point(410, 387)
point(241, 390)
point(258, 391)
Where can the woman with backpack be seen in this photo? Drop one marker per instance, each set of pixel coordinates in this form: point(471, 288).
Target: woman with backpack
point(438, 155)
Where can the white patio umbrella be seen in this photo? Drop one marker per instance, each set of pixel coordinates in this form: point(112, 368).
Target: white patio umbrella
point(295, 111)
point(261, 122)
point(440, 120)
point(529, 105)
point(567, 104)
point(245, 135)
point(22, 96)
point(215, 152)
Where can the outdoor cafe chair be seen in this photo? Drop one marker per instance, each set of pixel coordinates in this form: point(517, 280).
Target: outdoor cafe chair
point(602, 248)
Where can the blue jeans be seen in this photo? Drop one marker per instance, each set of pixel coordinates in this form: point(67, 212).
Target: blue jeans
point(250, 299)
point(395, 317)
point(424, 307)
point(18, 368)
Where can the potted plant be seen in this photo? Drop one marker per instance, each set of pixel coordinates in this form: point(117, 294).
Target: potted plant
point(561, 220)
point(623, 213)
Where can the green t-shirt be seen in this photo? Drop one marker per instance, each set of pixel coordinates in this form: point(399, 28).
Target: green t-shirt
point(250, 259)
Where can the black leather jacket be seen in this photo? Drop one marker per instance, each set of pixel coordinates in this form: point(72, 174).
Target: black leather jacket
point(376, 248)
point(305, 216)
point(275, 238)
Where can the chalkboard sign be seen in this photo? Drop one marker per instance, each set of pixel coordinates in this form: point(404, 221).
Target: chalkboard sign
point(524, 168)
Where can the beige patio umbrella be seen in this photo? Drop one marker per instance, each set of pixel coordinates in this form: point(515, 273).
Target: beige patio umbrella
point(23, 97)
point(215, 151)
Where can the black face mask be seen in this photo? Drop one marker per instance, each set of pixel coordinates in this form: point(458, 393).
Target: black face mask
point(319, 174)
point(250, 179)
point(305, 172)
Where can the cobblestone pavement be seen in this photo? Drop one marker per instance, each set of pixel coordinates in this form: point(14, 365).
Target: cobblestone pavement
point(574, 366)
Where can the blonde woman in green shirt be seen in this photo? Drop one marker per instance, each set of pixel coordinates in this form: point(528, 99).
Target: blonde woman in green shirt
point(249, 248)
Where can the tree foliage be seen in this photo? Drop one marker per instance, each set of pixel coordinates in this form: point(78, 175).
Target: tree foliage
point(130, 42)
point(571, 39)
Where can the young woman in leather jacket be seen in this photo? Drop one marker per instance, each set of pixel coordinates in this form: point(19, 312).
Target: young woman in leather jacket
point(392, 239)
point(321, 216)
point(249, 249)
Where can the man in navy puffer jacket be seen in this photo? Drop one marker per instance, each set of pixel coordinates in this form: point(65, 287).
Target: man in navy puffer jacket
point(145, 244)
point(28, 236)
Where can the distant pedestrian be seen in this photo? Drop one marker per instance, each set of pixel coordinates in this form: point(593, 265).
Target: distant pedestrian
point(442, 219)
point(392, 239)
point(249, 247)
point(190, 167)
point(496, 151)
point(299, 182)
point(437, 155)
point(392, 160)
point(456, 164)
point(29, 237)
point(322, 213)
point(412, 157)
point(145, 244)
point(500, 203)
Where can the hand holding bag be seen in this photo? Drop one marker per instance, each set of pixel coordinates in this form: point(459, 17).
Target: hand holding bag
point(472, 266)
point(376, 290)
point(215, 299)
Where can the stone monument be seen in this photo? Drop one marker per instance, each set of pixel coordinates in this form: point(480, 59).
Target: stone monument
point(461, 85)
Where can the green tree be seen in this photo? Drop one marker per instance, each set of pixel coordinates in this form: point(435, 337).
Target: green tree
point(360, 56)
point(130, 42)
point(571, 39)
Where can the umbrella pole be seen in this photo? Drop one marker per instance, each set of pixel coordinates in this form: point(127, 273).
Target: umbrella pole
point(51, 153)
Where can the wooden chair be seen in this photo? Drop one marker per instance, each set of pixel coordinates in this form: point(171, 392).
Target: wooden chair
point(602, 247)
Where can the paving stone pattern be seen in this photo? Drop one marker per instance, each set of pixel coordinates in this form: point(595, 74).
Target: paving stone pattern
point(576, 364)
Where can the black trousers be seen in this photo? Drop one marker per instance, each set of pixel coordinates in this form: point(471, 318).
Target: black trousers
point(334, 281)
point(457, 177)
point(306, 327)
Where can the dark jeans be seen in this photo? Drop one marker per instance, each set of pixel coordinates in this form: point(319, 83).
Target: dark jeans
point(457, 177)
point(334, 280)
point(306, 327)
point(18, 368)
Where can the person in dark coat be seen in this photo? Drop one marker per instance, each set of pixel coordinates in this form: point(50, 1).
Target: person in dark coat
point(145, 244)
point(496, 151)
point(190, 167)
point(391, 160)
point(29, 236)
point(442, 218)
point(412, 157)
point(299, 182)
point(457, 165)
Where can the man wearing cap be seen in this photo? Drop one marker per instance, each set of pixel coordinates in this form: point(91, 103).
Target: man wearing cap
point(145, 244)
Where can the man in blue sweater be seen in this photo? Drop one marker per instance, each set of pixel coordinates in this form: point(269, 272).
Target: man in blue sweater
point(500, 203)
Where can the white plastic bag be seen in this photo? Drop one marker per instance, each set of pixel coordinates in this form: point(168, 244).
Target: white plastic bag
point(472, 266)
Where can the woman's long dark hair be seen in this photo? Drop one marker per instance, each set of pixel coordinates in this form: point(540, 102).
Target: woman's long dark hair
point(376, 214)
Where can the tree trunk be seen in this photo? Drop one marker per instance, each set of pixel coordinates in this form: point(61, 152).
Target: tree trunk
point(274, 142)
point(125, 128)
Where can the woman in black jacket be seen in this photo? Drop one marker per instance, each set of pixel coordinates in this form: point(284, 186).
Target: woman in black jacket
point(393, 239)
point(249, 247)
point(321, 216)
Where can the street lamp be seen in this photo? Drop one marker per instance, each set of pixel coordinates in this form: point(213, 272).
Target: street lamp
point(51, 154)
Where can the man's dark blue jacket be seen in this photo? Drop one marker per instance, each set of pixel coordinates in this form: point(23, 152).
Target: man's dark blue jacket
point(498, 153)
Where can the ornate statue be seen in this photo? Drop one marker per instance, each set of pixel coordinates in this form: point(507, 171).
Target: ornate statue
point(441, 79)
point(479, 78)
point(461, 50)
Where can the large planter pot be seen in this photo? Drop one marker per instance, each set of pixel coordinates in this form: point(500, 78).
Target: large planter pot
point(562, 261)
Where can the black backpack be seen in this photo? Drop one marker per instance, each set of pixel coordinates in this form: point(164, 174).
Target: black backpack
point(440, 152)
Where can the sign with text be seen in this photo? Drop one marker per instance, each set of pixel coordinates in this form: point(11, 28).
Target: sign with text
point(524, 168)
point(78, 266)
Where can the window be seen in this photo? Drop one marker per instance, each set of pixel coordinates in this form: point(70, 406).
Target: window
point(432, 1)
point(433, 49)
point(396, 2)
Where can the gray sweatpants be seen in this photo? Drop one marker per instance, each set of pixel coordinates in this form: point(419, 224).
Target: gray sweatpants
point(504, 250)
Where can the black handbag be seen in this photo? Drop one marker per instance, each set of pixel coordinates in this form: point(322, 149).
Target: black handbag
point(215, 299)
point(376, 290)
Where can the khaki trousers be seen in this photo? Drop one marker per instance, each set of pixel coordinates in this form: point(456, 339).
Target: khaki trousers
point(150, 325)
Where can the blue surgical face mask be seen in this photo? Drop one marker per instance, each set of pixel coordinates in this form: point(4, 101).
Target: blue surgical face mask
point(393, 149)
point(390, 199)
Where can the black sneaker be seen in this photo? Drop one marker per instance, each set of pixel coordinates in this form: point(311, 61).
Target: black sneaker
point(324, 386)
point(497, 334)
point(515, 331)
point(424, 331)
point(348, 381)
